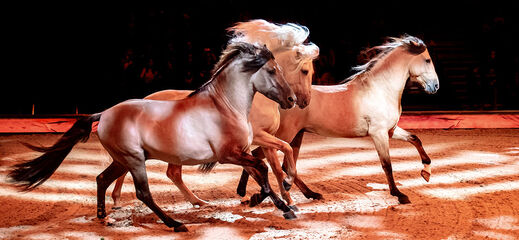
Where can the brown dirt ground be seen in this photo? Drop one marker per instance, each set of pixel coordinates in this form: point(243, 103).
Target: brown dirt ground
point(473, 194)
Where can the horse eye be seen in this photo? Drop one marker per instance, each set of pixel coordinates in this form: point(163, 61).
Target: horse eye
point(428, 60)
point(271, 71)
point(305, 72)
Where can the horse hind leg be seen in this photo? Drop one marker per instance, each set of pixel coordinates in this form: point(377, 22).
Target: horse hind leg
point(381, 141)
point(241, 190)
point(259, 171)
point(116, 193)
point(142, 190)
point(174, 173)
point(404, 135)
point(278, 172)
point(104, 180)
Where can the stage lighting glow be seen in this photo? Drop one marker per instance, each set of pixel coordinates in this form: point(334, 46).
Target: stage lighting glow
point(460, 193)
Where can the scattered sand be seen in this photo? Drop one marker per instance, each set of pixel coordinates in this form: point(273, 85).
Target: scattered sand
point(473, 194)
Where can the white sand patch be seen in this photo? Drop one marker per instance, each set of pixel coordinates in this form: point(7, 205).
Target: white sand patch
point(220, 233)
point(10, 232)
point(42, 236)
point(459, 193)
point(82, 235)
point(312, 230)
point(224, 216)
point(494, 235)
point(500, 222)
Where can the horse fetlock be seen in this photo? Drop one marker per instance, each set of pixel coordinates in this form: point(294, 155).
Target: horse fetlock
point(294, 208)
point(287, 183)
point(313, 195)
point(101, 212)
point(255, 200)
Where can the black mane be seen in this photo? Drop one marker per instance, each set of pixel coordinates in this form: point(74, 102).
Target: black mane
point(258, 57)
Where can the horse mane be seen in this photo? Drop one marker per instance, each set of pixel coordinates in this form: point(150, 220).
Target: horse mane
point(277, 37)
point(411, 44)
point(260, 55)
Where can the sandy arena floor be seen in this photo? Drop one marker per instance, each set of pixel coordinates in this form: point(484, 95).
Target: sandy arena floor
point(473, 194)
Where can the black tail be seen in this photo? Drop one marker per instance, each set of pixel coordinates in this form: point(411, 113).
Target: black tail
point(30, 174)
point(207, 167)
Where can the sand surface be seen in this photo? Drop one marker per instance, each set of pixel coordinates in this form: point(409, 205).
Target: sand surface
point(473, 194)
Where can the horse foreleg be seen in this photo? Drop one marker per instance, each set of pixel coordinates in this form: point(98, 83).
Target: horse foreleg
point(174, 173)
point(266, 140)
point(272, 158)
point(116, 193)
point(259, 171)
point(296, 146)
point(104, 180)
point(401, 134)
point(381, 141)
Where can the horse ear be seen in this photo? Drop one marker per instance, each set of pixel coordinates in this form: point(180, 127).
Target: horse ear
point(416, 47)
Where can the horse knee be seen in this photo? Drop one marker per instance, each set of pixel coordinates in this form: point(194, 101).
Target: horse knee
point(171, 175)
point(143, 196)
point(287, 149)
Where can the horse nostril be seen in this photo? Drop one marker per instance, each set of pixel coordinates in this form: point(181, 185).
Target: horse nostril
point(436, 86)
point(290, 99)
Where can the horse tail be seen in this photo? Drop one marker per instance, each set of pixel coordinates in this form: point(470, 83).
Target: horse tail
point(29, 175)
point(206, 167)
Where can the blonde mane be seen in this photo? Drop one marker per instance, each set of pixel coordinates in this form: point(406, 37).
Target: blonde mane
point(411, 44)
point(278, 38)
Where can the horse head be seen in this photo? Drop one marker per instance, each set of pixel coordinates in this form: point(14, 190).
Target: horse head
point(421, 68)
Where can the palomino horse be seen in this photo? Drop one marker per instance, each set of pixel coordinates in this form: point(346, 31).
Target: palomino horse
point(366, 104)
point(210, 125)
point(295, 59)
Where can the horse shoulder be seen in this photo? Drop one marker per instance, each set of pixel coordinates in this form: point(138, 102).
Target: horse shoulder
point(264, 114)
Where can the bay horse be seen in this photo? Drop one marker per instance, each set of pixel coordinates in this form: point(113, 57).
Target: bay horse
point(208, 126)
point(366, 104)
point(286, 41)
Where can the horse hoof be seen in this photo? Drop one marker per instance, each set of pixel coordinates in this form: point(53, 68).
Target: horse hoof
point(244, 201)
point(289, 215)
point(294, 208)
point(314, 195)
point(286, 185)
point(199, 204)
point(403, 199)
point(181, 228)
point(425, 175)
point(255, 200)
point(107, 221)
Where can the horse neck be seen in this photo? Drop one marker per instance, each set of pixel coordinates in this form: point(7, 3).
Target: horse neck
point(390, 74)
point(233, 90)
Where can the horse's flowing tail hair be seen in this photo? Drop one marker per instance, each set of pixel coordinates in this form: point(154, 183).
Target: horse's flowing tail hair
point(31, 174)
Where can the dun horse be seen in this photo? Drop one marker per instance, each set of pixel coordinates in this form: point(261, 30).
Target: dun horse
point(295, 59)
point(366, 104)
point(210, 125)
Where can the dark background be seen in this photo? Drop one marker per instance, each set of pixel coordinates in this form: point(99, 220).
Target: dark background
point(65, 60)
